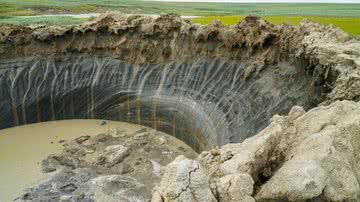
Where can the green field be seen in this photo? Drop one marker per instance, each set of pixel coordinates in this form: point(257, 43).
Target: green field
point(351, 25)
point(26, 7)
point(344, 16)
point(49, 20)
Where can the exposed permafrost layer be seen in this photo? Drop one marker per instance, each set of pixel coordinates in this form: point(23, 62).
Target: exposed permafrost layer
point(207, 85)
point(205, 103)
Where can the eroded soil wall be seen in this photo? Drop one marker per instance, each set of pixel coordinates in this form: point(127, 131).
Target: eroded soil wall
point(206, 103)
point(206, 85)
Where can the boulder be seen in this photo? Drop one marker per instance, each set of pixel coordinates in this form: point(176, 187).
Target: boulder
point(303, 156)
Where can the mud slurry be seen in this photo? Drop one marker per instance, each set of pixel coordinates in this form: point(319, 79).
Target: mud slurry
point(23, 148)
point(112, 166)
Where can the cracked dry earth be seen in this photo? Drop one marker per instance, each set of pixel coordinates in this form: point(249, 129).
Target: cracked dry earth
point(303, 145)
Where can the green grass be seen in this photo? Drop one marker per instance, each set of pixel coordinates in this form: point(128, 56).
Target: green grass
point(344, 16)
point(48, 20)
point(351, 25)
point(208, 9)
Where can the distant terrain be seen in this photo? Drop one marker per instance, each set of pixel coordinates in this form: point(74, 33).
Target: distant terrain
point(344, 16)
point(348, 24)
point(35, 7)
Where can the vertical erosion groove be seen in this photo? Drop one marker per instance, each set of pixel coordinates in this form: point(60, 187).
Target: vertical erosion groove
point(206, 103)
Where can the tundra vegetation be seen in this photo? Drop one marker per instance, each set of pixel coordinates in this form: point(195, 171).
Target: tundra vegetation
point(343, 16)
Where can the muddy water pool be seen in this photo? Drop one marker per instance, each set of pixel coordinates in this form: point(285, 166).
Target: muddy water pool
point(23, 148)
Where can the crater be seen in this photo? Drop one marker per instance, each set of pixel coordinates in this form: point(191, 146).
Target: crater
point(207, 103)
point(207, 86)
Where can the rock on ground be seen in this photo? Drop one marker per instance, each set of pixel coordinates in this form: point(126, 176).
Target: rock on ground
point(304, 156)
point(110, 167)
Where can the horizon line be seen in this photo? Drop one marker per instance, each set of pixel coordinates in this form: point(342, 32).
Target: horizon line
point(261, 1)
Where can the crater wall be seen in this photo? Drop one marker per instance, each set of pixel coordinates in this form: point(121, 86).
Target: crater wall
point(206, 103)
point(206, 85)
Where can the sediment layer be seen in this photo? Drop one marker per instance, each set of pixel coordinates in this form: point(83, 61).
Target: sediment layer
point(206, 103)
point(207, 85)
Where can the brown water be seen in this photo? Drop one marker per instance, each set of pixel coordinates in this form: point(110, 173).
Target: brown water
point(23, 148)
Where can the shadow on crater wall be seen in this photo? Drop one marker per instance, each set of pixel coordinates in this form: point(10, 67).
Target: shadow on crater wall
point(207, 103)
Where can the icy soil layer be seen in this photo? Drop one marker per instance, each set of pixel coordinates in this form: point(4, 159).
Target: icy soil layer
point(207, 85)
point(206, 103)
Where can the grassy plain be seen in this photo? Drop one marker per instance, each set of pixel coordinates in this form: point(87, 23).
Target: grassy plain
point(351, 25)
point(42, 20)
point(344, 16)
point(25, 7)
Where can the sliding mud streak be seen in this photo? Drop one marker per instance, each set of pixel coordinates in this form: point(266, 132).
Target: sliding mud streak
point(206, 103)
